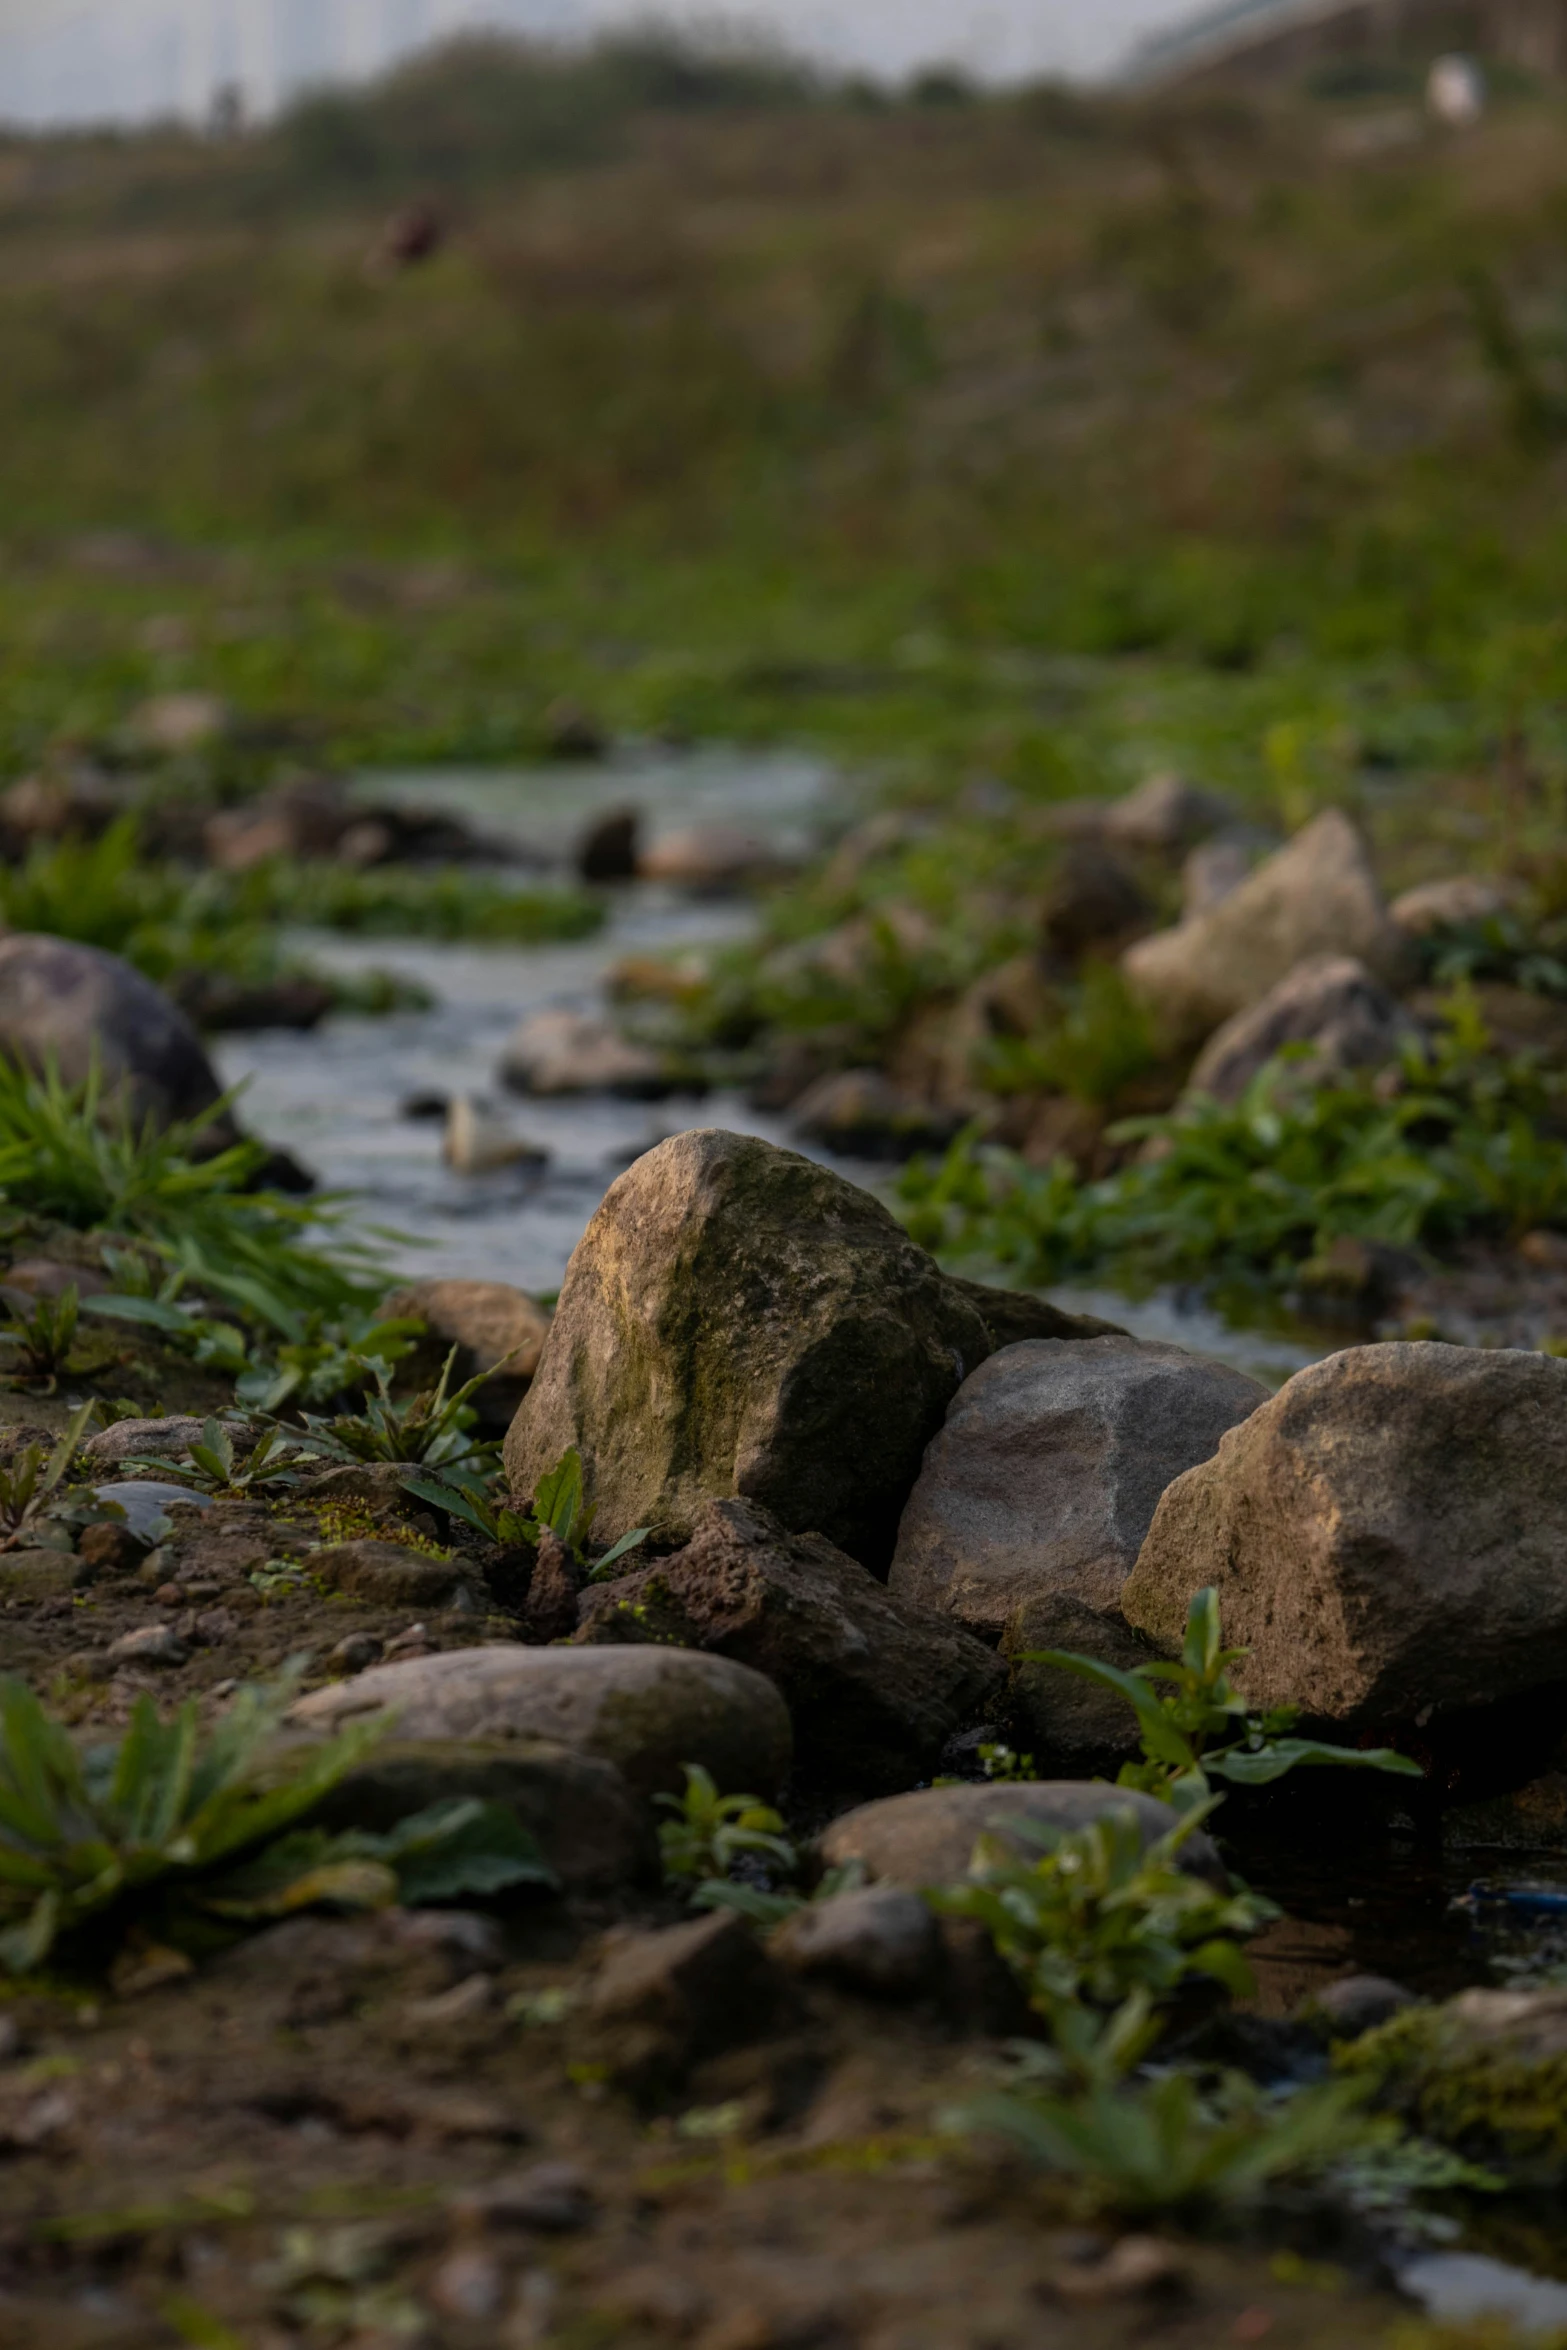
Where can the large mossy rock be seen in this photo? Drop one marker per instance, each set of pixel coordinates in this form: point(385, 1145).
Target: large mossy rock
point(1388, 1535)
point(738, 1321)
point(1317, 896)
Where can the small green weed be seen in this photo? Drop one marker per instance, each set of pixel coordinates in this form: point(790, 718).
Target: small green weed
point(213, 1465)
point(709, 1832)
point(30, 1483)
point(558, 1507)
point(431, 1427)
point(167, 1823)
point(45, 1340)
point(1178, 1722)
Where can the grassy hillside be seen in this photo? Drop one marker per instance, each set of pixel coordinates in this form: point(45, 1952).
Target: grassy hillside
point(1035, 435)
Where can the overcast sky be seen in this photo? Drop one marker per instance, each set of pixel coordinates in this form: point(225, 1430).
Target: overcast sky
point(75, 60)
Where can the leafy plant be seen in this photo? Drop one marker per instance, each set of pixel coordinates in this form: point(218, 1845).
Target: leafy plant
point(45, 1338)
point(167, 1817)
point(1171, 2144)
point(463, 1491)
point(709, 1832)
point(1103, 1041)
point(76, 1154)
point(30, 1483)
point(330, 1359)
point(213, 1464)
point(431, 1427)
point(1257, 1187)
point(1182, 1708)
point(1099, 1917)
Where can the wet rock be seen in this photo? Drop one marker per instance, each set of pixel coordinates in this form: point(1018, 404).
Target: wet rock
point(1331, 1004)
point(476, 1142)
point(707, 857)
point(168, 1438)
point(1386, 1535)
point(146, 1504)
point(1317, 896)
point(1449, 904)
point(1165, 815)
point(1048, 1470)
point(880, 1939)
point(607, 851)
point(1093, 904)
point(1360, 2003)
point(928, 1838)
point(151, 1644)
point(69, 1005)
point(737, 1321)
point(862, 1113)
point(171, 725)
point(662, 2002)
point(564, 1052)
point(647, 1710)
point(592, 1829)
point(874, 1687)
point(496, 1329)
point(387, 1574)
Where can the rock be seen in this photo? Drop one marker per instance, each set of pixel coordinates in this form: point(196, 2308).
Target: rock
point(388, 1575)
point(152, 1644)
point(496, 1330)
point(1330, 1003)
point(737, 1321)
point(707, 857)
point(29, 1575)
point(1166, 814)
point(1486, 2072)
point(77, 805)
point(865, 1115)
point(1316, 896)
point(1213, 873)
point(1360, 2003)
point(663, 2001)
point(67, 1005)
point(1011, 1315)
point(1092, 903)
point(647, 1710)
point(48, 1277)
point(309, 819)
point(1450, 904)
point(607, 851)
point(109, 1550)
point(146, 1504)
point(1532, 1818)
point(574, 1052)
point(874, 1687)
point(880, 1939)
point(1046, 1475)
point(1056, 1716)
point(594, 1832)
point(173, 724)
point(557, 1580)
point(552, 2198)
point(928, 1838)
point(378, 1484)
point(1386, 1535)
point(355, 1654)
point(169, 1438)
point(478, 1143)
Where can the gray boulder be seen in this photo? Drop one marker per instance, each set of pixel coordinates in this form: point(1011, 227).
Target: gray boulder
point(647, 1710)
point(1317, 896)
point(874, 1686)
point(70, 1005)
point(1046, 1475)
point(1386, 1534)
point(1072, 1724)
point(1331, 1003)
point(737, 1321)
point(498, 1331)
point(879, 1938)
point(928, 1838)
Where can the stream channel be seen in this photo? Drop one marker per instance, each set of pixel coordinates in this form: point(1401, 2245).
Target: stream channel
point(335, 1097)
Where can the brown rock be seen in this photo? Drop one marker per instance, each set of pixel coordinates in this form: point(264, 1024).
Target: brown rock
point(387, 1574)
point(1092, 903)
point(1331, 1004)
point(1166, 814)
point(880, 1939)
point(551, 1611)
point(874, 1687)
point(1386, 1535)
point(863, 1114)
point(707, 857)
point(1460, 899)
point(560, 1052)
point(928, 1837)
point(1317, 896)
point(496, 1330)
point(664, 2001)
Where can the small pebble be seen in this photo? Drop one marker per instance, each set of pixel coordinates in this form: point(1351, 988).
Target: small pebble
point(214, 1625)
point(355, 1654)
point(465, 1931)
point(473, 1996)
point(169, 1595)
point(152, 1644)
point(469, 2283)
point(553, 2197)
point(414, 1642)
